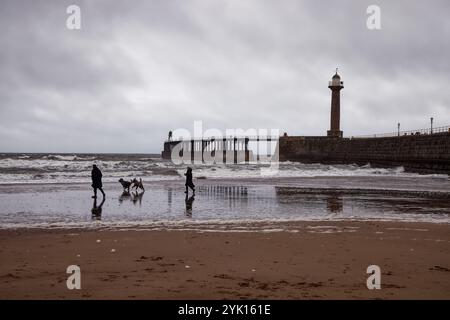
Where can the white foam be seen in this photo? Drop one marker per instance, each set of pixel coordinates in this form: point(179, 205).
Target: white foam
point(76, 169)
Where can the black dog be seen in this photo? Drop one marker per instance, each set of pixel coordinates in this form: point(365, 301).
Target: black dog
point(125, 184)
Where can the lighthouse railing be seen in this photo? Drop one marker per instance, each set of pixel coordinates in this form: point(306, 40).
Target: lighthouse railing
point(335, 83)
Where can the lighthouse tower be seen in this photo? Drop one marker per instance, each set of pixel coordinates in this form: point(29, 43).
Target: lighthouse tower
point(335, 85)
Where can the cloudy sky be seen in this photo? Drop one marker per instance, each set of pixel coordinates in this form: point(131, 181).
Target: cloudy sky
point(137, 69)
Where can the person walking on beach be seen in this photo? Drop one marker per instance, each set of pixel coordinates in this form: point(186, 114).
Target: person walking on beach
point(189, 183)
point(96, 176)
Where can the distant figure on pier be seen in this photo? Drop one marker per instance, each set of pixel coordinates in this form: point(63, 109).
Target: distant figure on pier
point(189, 183)
point(96, 176)
point(170, 135)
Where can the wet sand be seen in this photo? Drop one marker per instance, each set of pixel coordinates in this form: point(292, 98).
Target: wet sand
point(308, 238)
point(320, 260)
point(228, 200)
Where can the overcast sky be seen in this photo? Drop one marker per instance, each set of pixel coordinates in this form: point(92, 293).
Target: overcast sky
point(137, 69)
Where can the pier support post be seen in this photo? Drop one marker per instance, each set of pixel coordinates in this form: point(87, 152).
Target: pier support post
point(235, 151)
point(192, 151)
point(247, 155)
point(224, 150)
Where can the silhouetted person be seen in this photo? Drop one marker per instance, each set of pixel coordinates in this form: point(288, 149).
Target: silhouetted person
point(170, 135)
point(189, 201)
point(96, 176)
point(97, 210)
point(189, 183)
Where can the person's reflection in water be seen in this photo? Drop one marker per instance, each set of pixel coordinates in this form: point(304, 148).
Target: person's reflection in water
point(97, 210)
point(189, 201)
point(137, 197)
point(334, 203)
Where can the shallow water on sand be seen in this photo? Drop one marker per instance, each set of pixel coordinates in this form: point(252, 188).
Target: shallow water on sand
point(219, 202)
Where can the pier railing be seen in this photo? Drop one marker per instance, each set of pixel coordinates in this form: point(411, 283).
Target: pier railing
point(407, 133)
point(217, 138)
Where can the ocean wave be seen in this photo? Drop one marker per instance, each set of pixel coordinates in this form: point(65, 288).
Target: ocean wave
point(24, 168)
point(57, 157)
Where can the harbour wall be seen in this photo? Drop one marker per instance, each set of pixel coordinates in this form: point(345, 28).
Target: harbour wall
point(425, 153)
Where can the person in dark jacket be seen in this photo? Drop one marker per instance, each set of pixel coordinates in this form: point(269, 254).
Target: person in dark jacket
point(96, 176)
point(189, 183)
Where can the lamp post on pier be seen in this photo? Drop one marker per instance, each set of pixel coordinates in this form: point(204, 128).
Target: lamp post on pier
point(431, 128)
point(398, 129)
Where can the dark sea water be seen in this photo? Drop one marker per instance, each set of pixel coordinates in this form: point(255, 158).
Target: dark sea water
point(75, 168)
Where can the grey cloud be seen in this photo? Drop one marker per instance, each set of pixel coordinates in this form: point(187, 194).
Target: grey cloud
point(138, 69)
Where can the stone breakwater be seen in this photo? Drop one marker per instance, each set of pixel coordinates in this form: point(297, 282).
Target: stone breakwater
point(416, 153)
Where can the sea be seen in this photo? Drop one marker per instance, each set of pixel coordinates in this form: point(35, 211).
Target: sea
point(40, 190)
point(38, 168)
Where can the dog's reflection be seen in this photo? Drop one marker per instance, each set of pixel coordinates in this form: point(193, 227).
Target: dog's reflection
point(135, 197)
point(97, 210)
point(189, 201)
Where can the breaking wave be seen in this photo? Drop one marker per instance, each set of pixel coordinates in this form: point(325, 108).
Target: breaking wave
point(75, 168)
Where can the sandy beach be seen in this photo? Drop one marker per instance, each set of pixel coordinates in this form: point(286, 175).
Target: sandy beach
point(238, 238)
point(318, 261)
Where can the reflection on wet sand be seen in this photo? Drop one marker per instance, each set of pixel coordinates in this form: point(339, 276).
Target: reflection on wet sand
point(235, 202)
point(224, 202)
point(189, 201)
point(169, 197)
point(135, 197)
point(225, 192)
point(334, 203)
point(234, 196)
point(97, 210)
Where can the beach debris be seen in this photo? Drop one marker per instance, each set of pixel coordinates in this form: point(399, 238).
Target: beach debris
point(439, 268)
point(253, 270)
point(113, 250)
point(156, 258)
point(187, 267)
point(98, 241)
point(141, 259)
point(78, 255)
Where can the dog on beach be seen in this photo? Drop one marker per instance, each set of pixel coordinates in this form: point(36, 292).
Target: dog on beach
point(125, 184)
point(137, 184)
